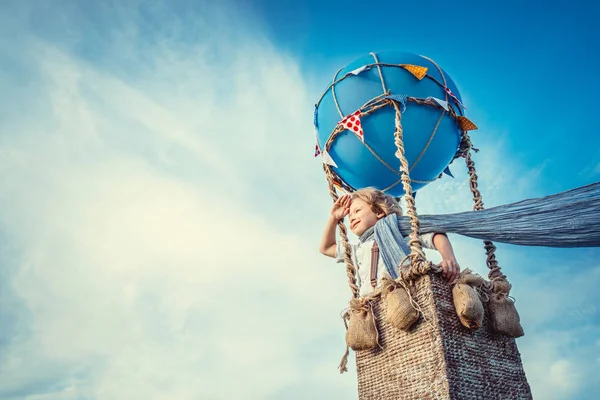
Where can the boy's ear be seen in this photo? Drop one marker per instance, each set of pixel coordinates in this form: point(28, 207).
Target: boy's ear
point(380, 215)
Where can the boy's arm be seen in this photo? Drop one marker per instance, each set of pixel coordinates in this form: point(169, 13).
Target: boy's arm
point(450, 267)
point(328, 244)
point(340, 209)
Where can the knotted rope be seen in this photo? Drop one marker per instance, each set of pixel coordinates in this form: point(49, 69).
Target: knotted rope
point(350, 269)
point(419, 265)
point(498, 282)
point(415, 264)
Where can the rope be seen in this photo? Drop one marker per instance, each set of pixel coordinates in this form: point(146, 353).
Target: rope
point(334, 96)
point(378, 65)
point(429, 141)
point(349, 74)
point(368, 108)
point(400, 180)
point(418, 264)
point(445, 85)
point(350, 269)
point(440, 71)
point(380, 72)
point(495, 273)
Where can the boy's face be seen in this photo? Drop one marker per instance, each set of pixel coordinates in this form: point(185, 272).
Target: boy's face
point(362, 217)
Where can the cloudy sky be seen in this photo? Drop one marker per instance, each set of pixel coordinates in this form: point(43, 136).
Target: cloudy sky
point(161, 208)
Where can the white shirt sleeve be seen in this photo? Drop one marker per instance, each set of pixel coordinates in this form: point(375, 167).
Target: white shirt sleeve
point(427, 240)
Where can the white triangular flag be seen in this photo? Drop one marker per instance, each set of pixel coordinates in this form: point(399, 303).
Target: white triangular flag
point(442, 103)
point(327, 159)
point(358, 70)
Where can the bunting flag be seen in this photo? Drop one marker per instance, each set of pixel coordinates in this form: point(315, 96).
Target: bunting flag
point(317, 151)
point(359, 70)
point(447, 89)
point(418, 71)
point(327, 159)
point(442, 103)
point(465, 124)
point(401, 98)
point(447, 171)
point(315, 117)
point(352, 123)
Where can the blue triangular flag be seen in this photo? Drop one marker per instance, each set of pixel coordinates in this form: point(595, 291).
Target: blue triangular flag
point(401, 98)
point(315, 117)
point(447, 171)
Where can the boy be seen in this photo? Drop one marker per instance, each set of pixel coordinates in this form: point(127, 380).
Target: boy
point(367, 207)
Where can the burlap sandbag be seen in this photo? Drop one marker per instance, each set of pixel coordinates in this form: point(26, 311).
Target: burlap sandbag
point(504, 316)
point(362, 332)
point(467, 302)
point(472, 279)
point(400, 312)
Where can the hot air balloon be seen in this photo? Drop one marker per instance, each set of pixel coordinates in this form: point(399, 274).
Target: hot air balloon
point(395, 121)
point(357, 122)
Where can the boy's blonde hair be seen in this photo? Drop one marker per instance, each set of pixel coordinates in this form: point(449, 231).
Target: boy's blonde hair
point(379, 201)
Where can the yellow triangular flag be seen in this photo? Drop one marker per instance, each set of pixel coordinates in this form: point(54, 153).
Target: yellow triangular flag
point(418, 71)
point(465, 124)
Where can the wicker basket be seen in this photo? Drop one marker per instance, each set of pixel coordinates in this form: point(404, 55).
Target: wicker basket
point(440, 358)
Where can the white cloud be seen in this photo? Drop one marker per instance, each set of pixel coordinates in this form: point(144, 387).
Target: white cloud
point(556, 367)
point(150, 255)
point(563, 374)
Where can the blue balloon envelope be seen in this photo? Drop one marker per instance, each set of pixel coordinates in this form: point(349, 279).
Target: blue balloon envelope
point(430, 104)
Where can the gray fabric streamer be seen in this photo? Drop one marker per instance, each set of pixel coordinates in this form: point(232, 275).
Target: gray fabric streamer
point(566, 219)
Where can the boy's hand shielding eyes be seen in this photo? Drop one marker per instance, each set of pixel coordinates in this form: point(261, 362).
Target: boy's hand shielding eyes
point(341, 207)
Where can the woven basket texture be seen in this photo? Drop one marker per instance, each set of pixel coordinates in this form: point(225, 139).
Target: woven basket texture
point(440, 358)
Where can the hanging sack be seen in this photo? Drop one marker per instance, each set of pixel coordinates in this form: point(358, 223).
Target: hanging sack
point(467, 302)
point(400, 313)
point(362, 332)
point(503, 313)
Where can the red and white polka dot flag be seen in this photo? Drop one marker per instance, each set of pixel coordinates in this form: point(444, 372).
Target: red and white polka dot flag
point(352, 123)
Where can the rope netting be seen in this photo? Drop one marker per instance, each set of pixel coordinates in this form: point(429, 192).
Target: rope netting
point(418, 264)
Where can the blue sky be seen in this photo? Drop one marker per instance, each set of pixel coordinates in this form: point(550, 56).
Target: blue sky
point(160, 206)
point(525, 66)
